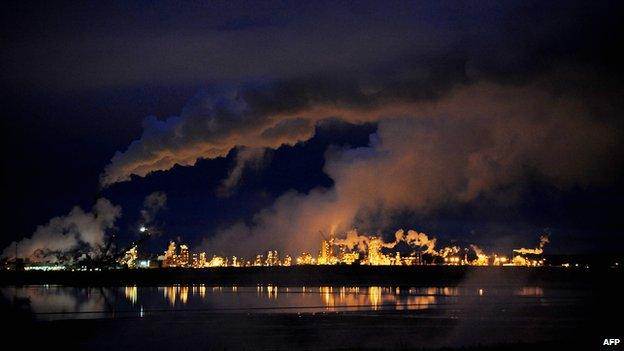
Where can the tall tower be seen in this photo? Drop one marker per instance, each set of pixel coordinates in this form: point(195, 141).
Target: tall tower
point(184, 256)
point(130, 257)
point(202, 260)
point(272, 258)
point(375, 256)
point(169, 259)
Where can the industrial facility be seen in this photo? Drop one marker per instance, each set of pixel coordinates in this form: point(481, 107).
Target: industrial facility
point(353, 249)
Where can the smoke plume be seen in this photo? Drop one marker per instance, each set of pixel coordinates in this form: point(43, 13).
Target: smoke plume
point(418, 241)
point(152, 204)
point(425, 155)
point(536, 251)
point(245, 158)
point(462, 109)
point(64, 235)
point(413, 238)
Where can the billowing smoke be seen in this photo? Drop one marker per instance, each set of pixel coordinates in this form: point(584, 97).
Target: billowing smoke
point(64, 235)
point(152, 204)
point(207, 128)
point(245, 158)
point(461, 110)
point(478, 139)
point(419, 242)
point(353, 240)
point(536, 251)
point(413, 238)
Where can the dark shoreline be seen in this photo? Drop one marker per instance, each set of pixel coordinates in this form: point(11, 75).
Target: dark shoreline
point(323, 275)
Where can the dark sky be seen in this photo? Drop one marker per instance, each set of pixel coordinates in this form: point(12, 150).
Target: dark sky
point(487, 122)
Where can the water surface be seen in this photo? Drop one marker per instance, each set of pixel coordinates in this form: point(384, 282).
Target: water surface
point(52, 302)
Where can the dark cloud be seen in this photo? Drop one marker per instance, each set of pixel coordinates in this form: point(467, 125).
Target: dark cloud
point(153, 203)
point(96, 46)
point(473, 143)
point(245, 158)
point(358, 60)
point(470, 97)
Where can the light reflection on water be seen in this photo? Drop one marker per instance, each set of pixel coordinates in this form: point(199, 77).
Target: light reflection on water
point(531, 291)
point(61, 302)
point(326, 297)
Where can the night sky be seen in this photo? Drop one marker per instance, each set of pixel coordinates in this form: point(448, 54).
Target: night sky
point(265, 122)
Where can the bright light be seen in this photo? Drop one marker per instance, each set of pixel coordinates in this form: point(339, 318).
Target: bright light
point(142, 229)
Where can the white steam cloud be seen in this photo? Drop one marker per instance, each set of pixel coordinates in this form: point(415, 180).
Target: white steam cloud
point(421, 241)
point(470, 143)
point(64, 235)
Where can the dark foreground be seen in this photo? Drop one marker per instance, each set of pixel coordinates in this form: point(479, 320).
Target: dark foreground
point(579, 320)
point(320, 275)
point(489, 329)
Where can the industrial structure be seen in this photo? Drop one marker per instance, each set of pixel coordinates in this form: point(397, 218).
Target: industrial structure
point(355, 249)
point(334, 252)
